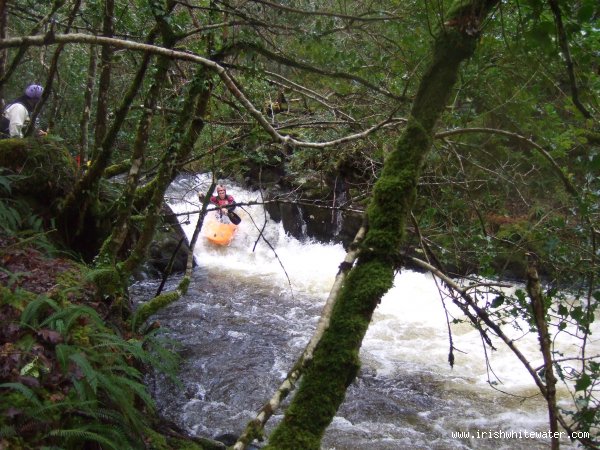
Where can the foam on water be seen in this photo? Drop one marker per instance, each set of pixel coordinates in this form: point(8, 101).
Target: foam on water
point(408, 338)
point(310, 266)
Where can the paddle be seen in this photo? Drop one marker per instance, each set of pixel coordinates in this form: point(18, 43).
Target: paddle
point(235, 219)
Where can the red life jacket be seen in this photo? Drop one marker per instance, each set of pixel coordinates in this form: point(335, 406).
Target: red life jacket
point(228, 200)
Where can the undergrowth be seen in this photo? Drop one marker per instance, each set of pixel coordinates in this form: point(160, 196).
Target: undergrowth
point(69, 378)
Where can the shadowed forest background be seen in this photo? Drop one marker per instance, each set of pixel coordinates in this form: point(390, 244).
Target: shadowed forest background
point(464, 136)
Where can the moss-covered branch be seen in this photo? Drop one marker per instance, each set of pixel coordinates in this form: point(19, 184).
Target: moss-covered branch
point(336, 361)
point(157, 303)
point(254, 429)
point(195, 106)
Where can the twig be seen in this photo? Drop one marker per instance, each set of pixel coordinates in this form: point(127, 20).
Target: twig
point(261, 235)
point(288, 384)
point(169, 267)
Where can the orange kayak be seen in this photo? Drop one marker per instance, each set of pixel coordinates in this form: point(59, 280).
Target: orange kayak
point(219, 233)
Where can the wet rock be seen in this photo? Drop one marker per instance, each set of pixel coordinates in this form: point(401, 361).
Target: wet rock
point(170, 242)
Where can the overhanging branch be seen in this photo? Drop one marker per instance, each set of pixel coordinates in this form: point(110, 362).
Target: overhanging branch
point(226, 78)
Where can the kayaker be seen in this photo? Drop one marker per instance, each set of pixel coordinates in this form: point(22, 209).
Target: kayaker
point(224, 201)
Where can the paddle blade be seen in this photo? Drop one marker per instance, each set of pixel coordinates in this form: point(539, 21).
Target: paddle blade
point(235, 219)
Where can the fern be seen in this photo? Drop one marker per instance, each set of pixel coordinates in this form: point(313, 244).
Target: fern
point(83, 435)
point(15, 214)
point(10, 219)
point(63, 352)
point(24, 390)
point(69, 315)
point(119, 396)
point(82, 391)
point(65, 406)
point(159, 354)
point(108, 415)
point(131, 372)
point(30, 315)
point(138, 389)
point(132, 346)
point(107, 401)
point(7, 431)
point(91, 375)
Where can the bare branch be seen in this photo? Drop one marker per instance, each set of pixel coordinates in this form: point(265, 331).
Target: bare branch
point(362, 18)
point(566, 182)
point(483, 315)
point(566, 53)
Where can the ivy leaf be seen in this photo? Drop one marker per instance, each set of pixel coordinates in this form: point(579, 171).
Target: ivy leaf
point(583, 382)
point(499, 300)
point(577, 314)
point(521, 295)
point(586, 11)
point(563, 311)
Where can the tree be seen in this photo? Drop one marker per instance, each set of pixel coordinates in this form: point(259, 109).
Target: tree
point(227, 88)
point(335, 362)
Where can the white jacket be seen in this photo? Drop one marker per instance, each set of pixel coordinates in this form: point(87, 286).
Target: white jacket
point(18, 115)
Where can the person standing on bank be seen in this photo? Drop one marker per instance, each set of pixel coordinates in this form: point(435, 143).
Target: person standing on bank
point(15, 118)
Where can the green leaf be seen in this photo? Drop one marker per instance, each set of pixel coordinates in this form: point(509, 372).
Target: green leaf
point(499, 300)
point(583, 382)
point(563, 310)
point(90, 373)
point(27, 393)
point(577, 313)
point(586, 11)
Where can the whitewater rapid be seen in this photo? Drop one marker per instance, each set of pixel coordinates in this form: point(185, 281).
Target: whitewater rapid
point(252, 307)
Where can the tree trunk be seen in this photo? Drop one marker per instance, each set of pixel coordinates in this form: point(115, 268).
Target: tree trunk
point(52, 71)
point(87, 105)
point(540, 311)
point(3, 53)
point(336, 362)
point(76, 204)
point(190, 120)
point(121, 226)
point(105, 75)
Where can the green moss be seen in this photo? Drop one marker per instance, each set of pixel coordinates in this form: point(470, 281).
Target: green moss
point(152, 307)
point(184, 285)
point(80, 335)
point(336, 359)
point(18, 299)
point(108, 280)
point(117, 169)
point(47, 168)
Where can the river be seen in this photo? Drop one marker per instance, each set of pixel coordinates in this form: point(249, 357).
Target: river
point(250, 311)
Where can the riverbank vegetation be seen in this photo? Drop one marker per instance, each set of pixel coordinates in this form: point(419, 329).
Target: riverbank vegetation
point(464, 133)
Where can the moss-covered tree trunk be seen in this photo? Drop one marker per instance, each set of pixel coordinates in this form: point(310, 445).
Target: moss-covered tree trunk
point(124, 208)
point(181, 144)
point(74, 209)
point(108, 29)
point(336, 361)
